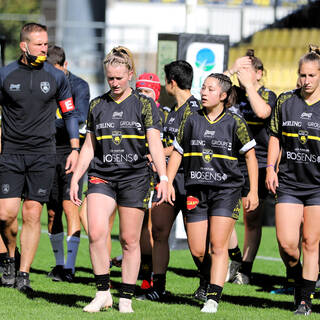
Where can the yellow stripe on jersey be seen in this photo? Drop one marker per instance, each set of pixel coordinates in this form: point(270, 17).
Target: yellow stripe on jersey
point(199, 154)
point(125, 136)
point(295, 135)
point(255, 123)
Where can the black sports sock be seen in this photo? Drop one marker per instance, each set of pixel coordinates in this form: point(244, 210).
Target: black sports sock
point(146, 266)
point(235, 254)
point(214, 292)
point(127, 290)
point(102, 281)
point(205, 267)
point(159, 282)
point(246, 268)
point(294, 274)
point(307, 291)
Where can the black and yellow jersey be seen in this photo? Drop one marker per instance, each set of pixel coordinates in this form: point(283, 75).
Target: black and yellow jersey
point(211, 149)
point(297, 126)
point(258, 126)
point(175, 117)
point(120, 131)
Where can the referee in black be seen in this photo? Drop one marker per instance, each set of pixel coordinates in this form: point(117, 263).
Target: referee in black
point(29, 90)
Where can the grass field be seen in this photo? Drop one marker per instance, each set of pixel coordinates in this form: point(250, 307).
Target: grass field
point(54, 300)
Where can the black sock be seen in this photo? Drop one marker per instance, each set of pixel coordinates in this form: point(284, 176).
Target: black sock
point(3, 256)
point(214, 292)
point(23, 274)
point(159, 282)
point(307, 291)
point(235, 254)
point(146, 266)
point(127, 290)
point(102, 281)
point(246, 268)
point(205, 267)
point(294, 275)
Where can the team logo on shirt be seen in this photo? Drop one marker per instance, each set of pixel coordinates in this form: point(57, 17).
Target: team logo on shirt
point(192, 202)
point(15, 87)
point(5, 188)
point(45, 86)
point(303, 136)
point(117, 115)
point(209, 134)
point(306, 115)
point(116, 137)
point(207, 155)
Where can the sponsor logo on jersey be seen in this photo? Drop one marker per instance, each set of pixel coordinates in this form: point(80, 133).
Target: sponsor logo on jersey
point(303, 136)
point(192, 202)
point(5, 188)
point(292, 123)
point(130, 124)
point(105, 125)
point(306, 115)
point(197, 143)
point(209, 134)
point(45, 86)
point(116, 137)
point(303, 157)
point(15, 87)
point(207, 155)
point(117, 115)
point(171, 121)
point(314, 125)
point(120, 158)
point(193, 104)
point(208, 176)
point(221, 144)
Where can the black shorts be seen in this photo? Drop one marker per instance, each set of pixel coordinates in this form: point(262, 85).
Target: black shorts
point(307, 200)
point(262, 190)
point(130, 193)
point(27, 176)
point(204, 202)
point(61, 184)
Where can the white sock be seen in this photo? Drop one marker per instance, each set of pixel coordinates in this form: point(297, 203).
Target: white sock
point(57, 247)
point(72, 245)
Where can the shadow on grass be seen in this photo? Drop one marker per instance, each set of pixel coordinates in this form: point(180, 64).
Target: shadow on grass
point(70, 300)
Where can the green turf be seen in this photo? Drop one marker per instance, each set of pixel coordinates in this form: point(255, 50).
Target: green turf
point(54, 300)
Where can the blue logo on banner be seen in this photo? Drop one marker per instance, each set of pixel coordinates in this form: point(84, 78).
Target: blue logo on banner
point(205, 59)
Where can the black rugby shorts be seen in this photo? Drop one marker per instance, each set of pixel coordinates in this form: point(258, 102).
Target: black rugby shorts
point(61, 183)
point(313, 199)
point(133, 193)
point(203, 202)
point(28, 176)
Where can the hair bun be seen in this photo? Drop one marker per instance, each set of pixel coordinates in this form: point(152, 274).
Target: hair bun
point(250, 53)
point(314, 48)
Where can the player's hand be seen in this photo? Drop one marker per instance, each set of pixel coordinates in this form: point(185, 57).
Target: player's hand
point(162, 192)
point(74, 189)
point(71, 161)
point(246, 76)
point(251, 201)
point(271, 180)
point(242, 62)
point(171, 194)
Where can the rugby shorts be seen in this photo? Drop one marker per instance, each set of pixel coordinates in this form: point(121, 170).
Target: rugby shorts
point(204, 202)
point(28, 176)
point(312, 199)
point(133, 193)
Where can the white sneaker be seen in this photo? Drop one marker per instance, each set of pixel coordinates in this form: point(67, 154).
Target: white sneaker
point(233, 268)
point(241, 278)
point(125, 305)
point(210, 306)
point(103, 299)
